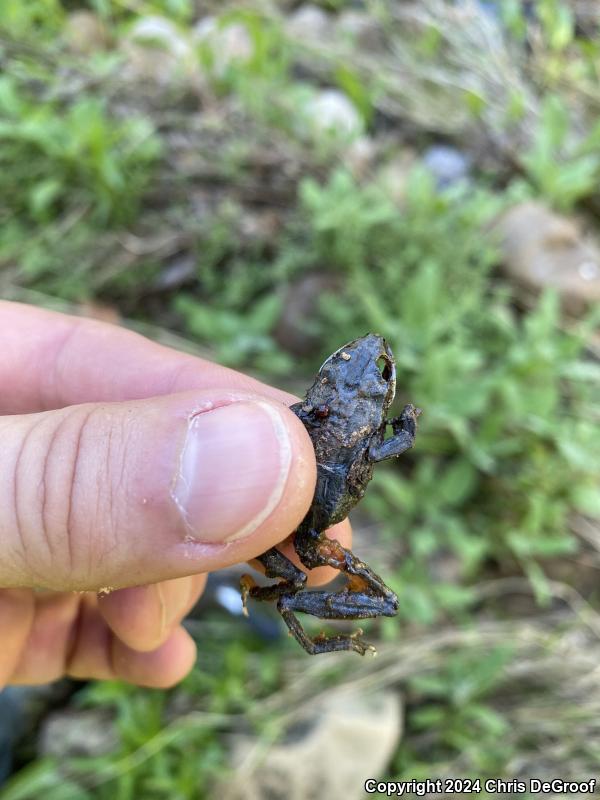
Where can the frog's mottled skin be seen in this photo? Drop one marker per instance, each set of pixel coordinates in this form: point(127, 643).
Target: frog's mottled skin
point(344, 413)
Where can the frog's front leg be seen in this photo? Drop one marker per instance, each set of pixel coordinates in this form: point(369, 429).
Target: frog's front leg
point(405, 429)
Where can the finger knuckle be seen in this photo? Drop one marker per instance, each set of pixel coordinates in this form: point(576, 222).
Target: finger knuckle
point(57, 498)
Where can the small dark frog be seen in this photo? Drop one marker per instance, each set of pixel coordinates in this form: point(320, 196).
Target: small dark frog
point(344, 413)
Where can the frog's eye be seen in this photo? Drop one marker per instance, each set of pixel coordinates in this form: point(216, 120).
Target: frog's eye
point(385, 367)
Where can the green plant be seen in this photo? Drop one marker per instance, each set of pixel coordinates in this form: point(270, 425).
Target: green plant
point(237, 339)
point(508, 442)
point(564, 168)
point(160, 753)
point(504, 444)
point(32, 19)
point(450, 710)
point(55, 158)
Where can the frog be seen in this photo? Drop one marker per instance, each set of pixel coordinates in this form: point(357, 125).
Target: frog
point(345, 413)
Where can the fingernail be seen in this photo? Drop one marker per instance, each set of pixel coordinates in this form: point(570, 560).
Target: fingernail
point(232, 470)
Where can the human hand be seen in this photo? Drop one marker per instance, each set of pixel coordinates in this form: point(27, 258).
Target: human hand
point(128, 464)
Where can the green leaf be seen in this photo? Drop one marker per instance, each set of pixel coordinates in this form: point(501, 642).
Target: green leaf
point(586, 499)
point(43, 195)
point(489, 721)
point(539, 584)
point(458, 482)
point(428, 717)
point(351, 83)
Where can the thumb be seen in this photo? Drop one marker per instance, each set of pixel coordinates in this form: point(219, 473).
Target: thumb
point(121, 494)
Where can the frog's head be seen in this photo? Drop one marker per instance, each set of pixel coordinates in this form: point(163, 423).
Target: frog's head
point(363, 368)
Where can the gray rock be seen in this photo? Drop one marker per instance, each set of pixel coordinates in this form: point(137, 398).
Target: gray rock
point(331, 112)
point(360, 156)
point(21, 709)
point(447, 164)
point(176, 272)
point(543, 250)
point(160, 32)
point(228, 44)
point(68, 732)
point(85, 32)
point(362, 29)
point(394, 175)
point(308, 23)
point(330, 752)
point(157, 52)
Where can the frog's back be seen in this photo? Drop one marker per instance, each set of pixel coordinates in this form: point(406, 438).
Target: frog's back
point(343, 411)
point(343, 471)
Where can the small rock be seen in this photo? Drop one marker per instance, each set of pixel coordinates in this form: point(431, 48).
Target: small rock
point(176, 273)
point(360, 156)
point(156, 51)
point(309, 23)
point(160, 32)
point(331, 752)
point(85, 32)
point(393, 175)
point(362, 29)
point(447, 164)
point(228, 44)
point(544, 250)
point(68, 733)
point(260, 227)
point(331, 112)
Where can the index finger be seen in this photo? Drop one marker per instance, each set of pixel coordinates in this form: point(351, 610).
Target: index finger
point(50, 360)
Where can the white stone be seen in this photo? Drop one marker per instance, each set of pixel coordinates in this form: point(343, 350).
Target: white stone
point(69, 732)
point(360, 156)
point(544, 250)
point(330, 752)
point(332, 112)
point(157, 52)
point(155, 30)
point(308, 23)
point(229, 44)
point(85, 32)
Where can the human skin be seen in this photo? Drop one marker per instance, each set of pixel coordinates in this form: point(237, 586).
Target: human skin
point(130, 467)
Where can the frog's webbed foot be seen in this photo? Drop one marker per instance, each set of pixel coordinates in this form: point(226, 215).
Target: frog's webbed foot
point(405, 429)
point(276, 566)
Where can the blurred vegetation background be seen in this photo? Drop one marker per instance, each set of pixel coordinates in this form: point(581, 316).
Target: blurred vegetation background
point(261, 182)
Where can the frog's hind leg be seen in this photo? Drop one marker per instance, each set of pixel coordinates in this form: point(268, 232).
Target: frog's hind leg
point(276, 566)
point(334, 605)
point(321, 643)
point(365, 596)
point(316, 550)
